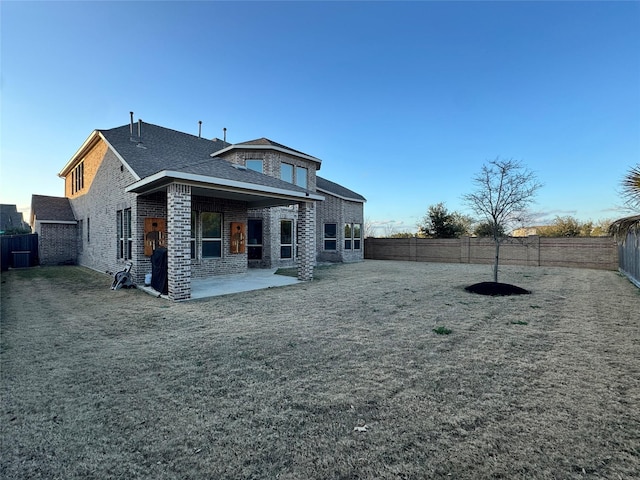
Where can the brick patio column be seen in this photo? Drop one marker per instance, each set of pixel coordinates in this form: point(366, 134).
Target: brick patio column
point(179, 241)
point(307, 240)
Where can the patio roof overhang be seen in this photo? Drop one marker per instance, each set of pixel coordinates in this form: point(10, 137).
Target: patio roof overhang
point(256, 196)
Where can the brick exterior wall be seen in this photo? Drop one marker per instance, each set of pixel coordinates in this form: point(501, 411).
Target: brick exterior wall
point(228, 263)
point(102, 197)
point(590, 252)
point(306, 247)
point(338, 211)
point(57, 243)
point(271, 161)
point(95, 206)
point(179, 241)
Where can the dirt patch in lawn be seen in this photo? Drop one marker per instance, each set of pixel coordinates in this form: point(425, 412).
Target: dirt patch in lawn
point(345, 377)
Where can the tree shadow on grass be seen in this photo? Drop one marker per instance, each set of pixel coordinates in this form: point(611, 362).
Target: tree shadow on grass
point(496, 289)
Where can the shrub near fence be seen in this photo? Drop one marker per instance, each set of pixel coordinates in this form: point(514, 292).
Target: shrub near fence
point(588, 252)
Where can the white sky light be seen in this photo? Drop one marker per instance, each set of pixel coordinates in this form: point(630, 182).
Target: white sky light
point(403, 102)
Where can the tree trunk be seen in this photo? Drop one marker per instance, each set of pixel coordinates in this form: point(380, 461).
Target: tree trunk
point(495, 263)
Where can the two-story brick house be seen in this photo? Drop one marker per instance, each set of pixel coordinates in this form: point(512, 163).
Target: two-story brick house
point(217, 208)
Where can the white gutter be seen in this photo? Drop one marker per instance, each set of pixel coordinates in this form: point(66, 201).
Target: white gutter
point(359, 200)
point(230, 185)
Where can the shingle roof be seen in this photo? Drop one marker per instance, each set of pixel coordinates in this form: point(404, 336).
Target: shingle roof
point(338, 190)
point(159, 148)
point(53, 209)
point(10, 217)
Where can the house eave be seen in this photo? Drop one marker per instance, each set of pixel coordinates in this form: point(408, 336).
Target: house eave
point(341, 197)
point(268, 147)
point(256, 195)
point(88, 144)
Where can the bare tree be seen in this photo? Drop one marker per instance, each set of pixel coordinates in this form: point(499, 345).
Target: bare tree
point(369, 229)
point(504, 190)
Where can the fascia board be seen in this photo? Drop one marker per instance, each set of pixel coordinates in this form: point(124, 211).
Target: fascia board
point(59, 222)
point(221, 182)
point(266, 147)
point(86, 146)
point(89, 142)
point(359, 200)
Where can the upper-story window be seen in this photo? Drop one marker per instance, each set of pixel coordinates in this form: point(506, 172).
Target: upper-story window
point(254, 164)
point(286, 172)
point(301, 177)
point(77, 178)
point(291, 174)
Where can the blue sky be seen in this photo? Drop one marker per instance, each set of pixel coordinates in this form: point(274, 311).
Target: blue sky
point(403, 102)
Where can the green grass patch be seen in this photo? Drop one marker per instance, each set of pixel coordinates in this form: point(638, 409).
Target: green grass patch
point(519, 322)
point(441, 330)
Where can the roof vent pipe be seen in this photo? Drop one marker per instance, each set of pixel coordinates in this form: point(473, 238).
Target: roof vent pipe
point(224, 130)
point(139, 128)
point(199, 128)
point(131, 125)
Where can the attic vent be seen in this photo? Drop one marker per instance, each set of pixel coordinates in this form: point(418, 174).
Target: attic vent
point(238, 167)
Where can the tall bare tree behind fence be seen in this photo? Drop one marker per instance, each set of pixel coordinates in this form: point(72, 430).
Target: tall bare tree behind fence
point(589, 252)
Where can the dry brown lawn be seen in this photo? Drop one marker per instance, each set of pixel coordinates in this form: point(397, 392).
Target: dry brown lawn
point(339, 378)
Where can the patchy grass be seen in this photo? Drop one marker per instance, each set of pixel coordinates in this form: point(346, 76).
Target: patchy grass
point(272, 384)
point(441, 330)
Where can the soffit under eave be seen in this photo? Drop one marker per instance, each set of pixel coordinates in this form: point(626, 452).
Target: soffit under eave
point(254, 199)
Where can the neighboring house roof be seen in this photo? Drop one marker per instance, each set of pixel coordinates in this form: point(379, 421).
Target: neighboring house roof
point(51, 209)
point(324, 185)
point(10, 218)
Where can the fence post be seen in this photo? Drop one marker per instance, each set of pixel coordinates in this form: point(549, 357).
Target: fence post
point(465, 247)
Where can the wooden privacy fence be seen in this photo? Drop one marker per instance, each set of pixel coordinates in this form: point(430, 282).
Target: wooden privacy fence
point(589, 252)
point(18, 251)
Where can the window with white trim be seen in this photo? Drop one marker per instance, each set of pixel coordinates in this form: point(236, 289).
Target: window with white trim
point(125, 241)
point(77, 178)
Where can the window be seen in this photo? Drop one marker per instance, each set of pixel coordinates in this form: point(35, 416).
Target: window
point(286, 239)
point(352, 236)
point(253, 164)
point(286, 172)
point(254, 237)
point(301, 177)
point(125, 242)
point(330, 236)
point(357, 236)
point(193, 234)
point(77, 178)
point(211, 234)
point(347, 236)
point(80, 235)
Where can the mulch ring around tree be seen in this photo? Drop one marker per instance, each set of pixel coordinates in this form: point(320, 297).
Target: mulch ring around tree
point(495, 289)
